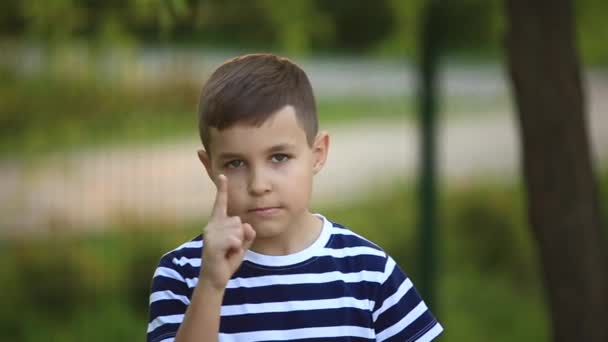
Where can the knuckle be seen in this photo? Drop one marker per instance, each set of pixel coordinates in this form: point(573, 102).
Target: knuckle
point(234, 241)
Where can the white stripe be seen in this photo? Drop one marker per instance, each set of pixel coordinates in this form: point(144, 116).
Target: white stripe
point(170, 339)
point(403, 323)
point(189, 244)
point(171, 273)
point(282, 335)
point(196, 262)
point(192, 244)
point(296, 305)
point(168, 295)
point(162, 320)
point(191, 282)
point(431, 334)
point(306, 278)
point(168, 273)
point(389, 268)
point(350, 251)
point(394, 298)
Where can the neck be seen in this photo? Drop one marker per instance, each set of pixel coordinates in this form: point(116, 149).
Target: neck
point(300, 234)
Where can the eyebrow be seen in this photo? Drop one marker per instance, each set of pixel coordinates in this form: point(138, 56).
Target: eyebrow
point(273, 149)
point(280, 147)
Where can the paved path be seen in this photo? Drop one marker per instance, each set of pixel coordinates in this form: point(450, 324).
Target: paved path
point(166, 183)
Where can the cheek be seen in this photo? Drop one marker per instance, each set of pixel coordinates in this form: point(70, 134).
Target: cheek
point(298, 179)
point(295, 173)
point(236, 190)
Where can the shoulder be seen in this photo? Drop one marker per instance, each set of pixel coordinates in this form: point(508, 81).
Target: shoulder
point(343, 237)
point(365, 250)
point(349, 246)
point(183, 261)
point(184, 252)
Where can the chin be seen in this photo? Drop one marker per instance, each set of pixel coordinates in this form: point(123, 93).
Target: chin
point(266, 230)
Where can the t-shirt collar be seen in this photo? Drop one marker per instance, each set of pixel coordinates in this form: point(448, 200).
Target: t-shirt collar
point(295, 258)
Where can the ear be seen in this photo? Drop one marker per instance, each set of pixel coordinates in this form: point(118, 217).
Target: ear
point(320, 149)
point(204, 157)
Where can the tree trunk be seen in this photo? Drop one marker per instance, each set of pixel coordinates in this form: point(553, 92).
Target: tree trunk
point(562, 198)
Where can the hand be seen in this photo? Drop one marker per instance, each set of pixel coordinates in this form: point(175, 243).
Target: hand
point(225, 241)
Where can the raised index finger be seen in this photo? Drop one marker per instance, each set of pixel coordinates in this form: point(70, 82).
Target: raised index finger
point(220, 207)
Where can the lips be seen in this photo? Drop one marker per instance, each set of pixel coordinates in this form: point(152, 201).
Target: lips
point(265, 211)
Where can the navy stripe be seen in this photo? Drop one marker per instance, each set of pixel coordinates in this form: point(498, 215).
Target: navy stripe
point(343, 241)
point(164, 331)
point(344, 265)
point(161, 283)
point(168, 307)
point(295, 320)
point(421, 325)
point(283, 293)
point(188, 271)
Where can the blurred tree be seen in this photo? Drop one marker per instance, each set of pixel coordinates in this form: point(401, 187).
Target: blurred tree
point(359, 25)
point(297, 23)
point(563, 206)
point(388, 27)
point(430, 45)
point(475, 25)
point(61, 20)
point(402, 40)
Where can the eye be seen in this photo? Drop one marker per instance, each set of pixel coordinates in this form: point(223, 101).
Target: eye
point(234, 164)
point(279, 157)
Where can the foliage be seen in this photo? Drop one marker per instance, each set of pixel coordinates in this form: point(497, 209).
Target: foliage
point(470, 27)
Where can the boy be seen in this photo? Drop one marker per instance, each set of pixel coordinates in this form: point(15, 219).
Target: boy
point(268, 269)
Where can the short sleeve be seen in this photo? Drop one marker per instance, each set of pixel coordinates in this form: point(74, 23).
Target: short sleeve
point(169, 299)
point(399, 313)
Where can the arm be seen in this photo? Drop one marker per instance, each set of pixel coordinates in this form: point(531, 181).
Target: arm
point(400, 314)
point(226, 240)
point(202, 319)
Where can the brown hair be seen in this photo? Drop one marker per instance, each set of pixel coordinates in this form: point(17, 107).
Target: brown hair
point(250, 88)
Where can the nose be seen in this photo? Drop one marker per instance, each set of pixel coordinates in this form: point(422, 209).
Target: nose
point(259, 182)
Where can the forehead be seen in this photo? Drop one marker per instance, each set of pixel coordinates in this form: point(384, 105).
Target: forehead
point(281, 128)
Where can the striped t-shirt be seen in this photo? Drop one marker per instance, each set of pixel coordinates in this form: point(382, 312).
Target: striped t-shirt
point(340, 288)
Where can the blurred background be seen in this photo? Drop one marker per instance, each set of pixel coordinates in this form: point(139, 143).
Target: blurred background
point(99, 175)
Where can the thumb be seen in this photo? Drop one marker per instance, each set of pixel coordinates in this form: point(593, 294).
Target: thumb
point(248, 236)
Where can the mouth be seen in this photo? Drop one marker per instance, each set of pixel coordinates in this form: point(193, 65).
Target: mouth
point(265, 211)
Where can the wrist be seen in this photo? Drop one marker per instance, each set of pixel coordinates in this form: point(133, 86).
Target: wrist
point(205, 282)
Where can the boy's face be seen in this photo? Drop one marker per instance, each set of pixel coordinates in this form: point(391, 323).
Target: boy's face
point(270, 171)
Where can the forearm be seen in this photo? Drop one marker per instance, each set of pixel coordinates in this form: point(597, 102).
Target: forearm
point(202, 319)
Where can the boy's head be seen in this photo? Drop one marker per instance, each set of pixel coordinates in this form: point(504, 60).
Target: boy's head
point(249, 89)
point(258, 124)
